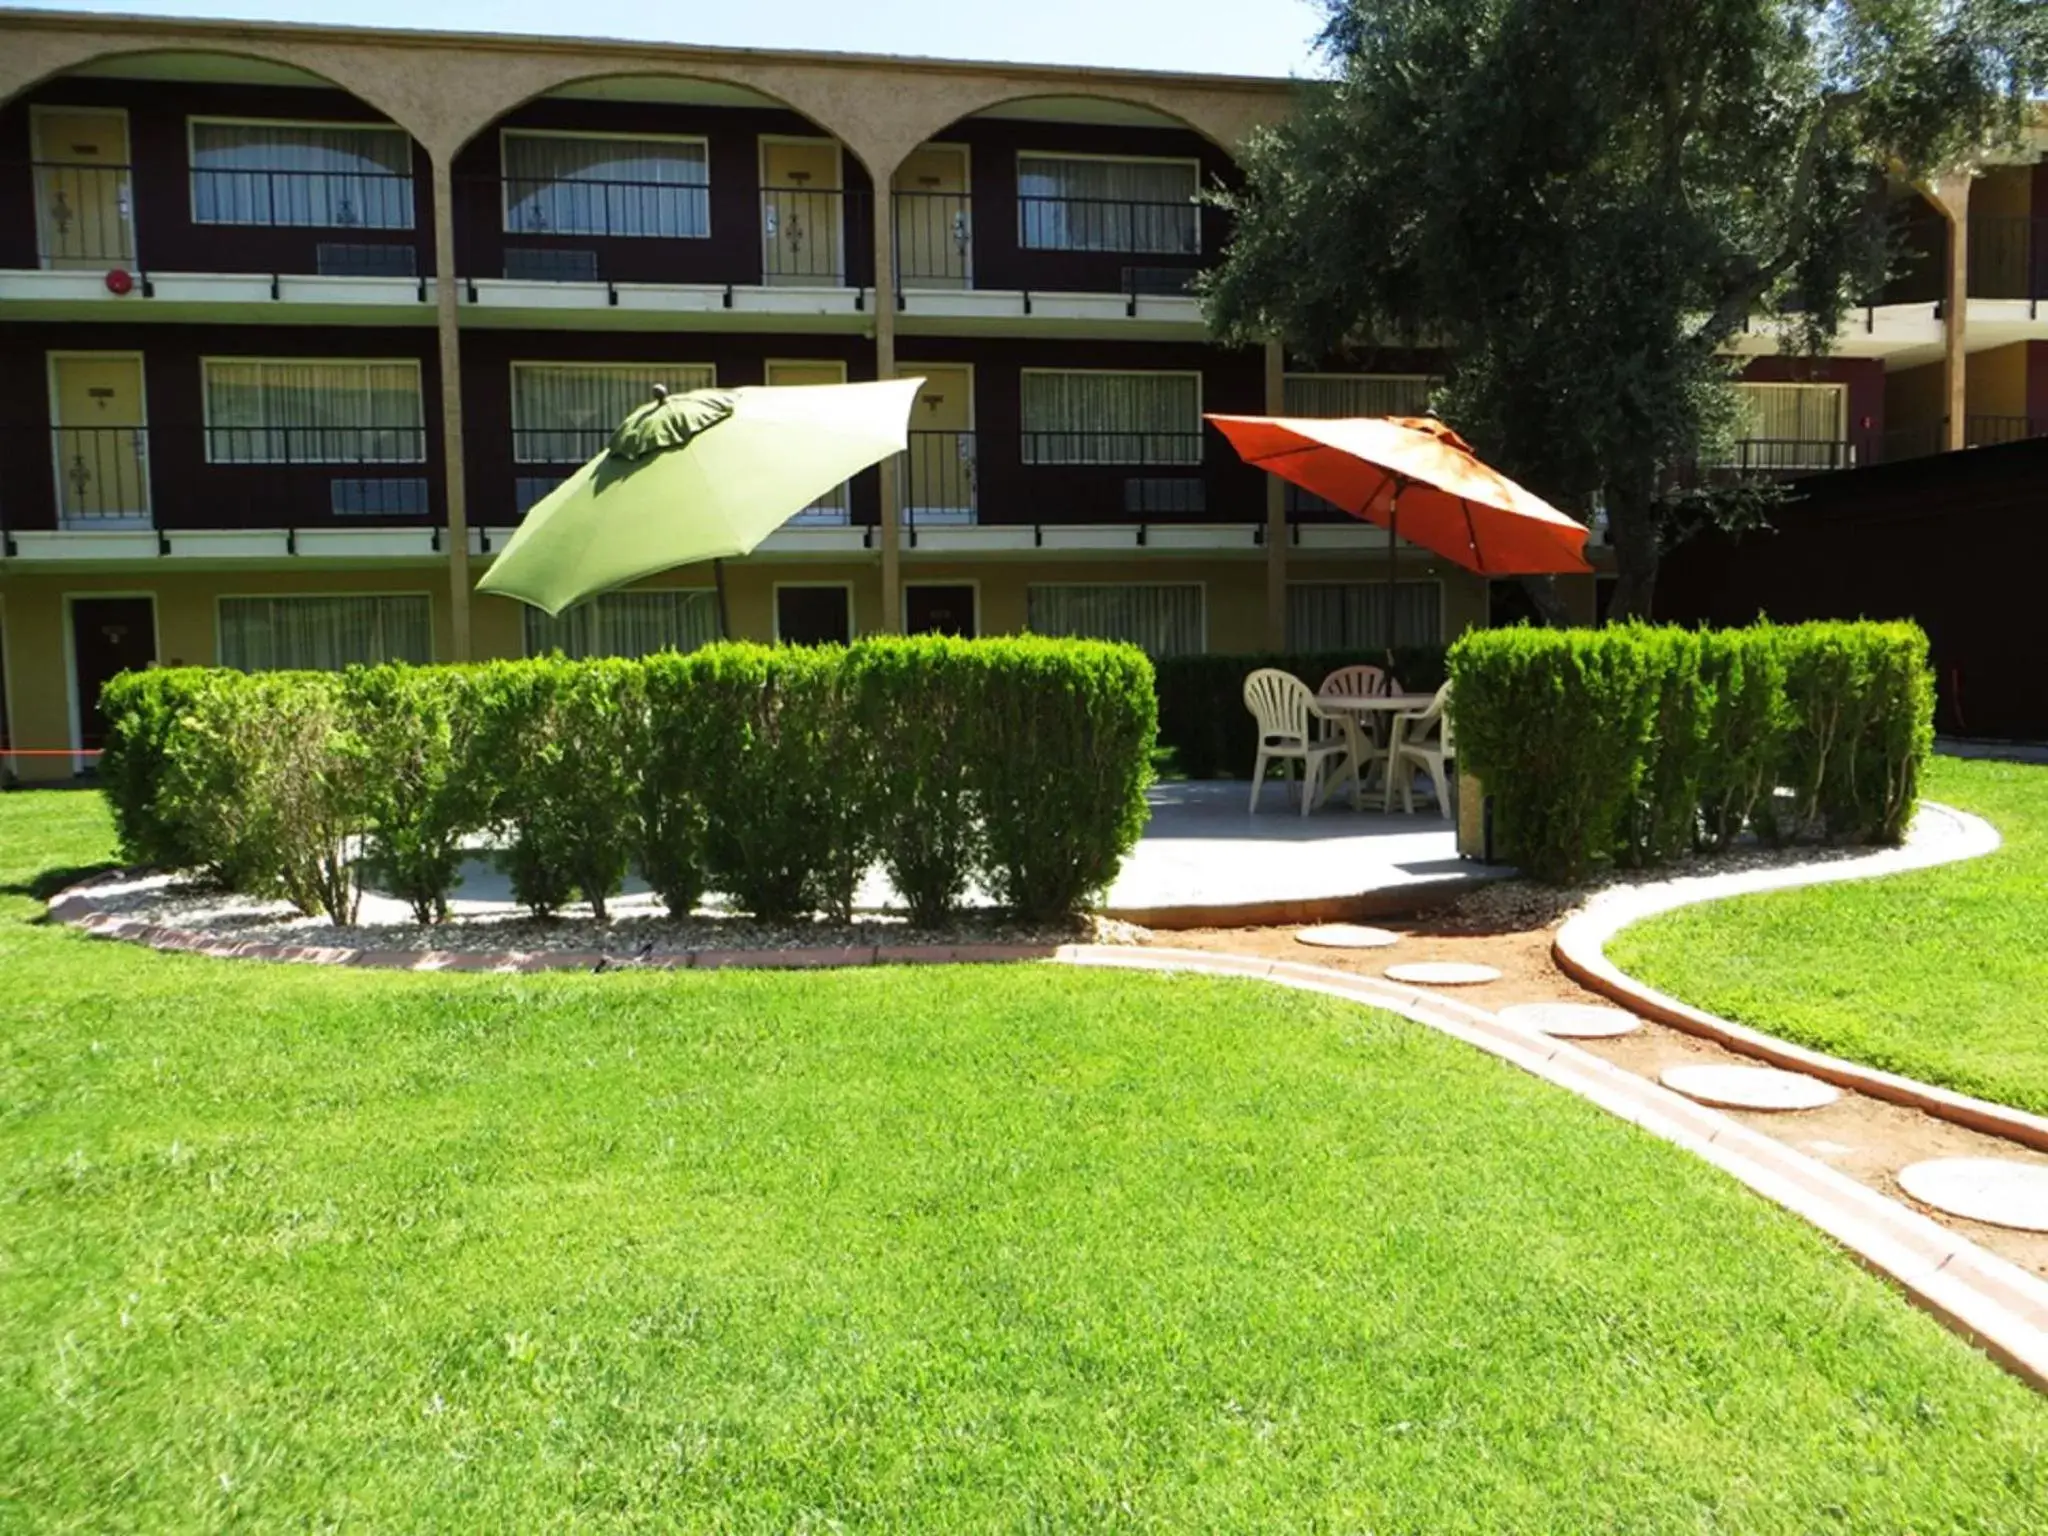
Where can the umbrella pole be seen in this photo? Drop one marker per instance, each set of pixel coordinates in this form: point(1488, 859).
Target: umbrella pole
point(1393, 536)
point(718, 579)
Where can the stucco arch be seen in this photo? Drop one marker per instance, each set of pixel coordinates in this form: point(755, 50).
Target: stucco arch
point(573, 72)
point(36, 58)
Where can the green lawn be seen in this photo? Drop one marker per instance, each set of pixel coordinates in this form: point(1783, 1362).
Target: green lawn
point(940, 1250)
point(1941, 975)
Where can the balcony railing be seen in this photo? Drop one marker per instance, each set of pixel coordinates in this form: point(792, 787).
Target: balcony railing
point(303, 199)
point(1786, 456)
point(1990, 431)
point(934, 240)
point(128, 477)
point(2008, 257)
point(1182, 449)
point(85, 215)
point(1115, 225)
point(938, 484)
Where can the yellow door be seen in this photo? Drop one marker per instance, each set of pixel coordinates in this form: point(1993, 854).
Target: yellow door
point(84, 210)
point(802, 234)
point(934, 236)
point(834, 507)
point(100, 440)
point(940, 485)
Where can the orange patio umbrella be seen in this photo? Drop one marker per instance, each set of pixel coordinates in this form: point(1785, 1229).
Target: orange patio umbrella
point(1420, 481)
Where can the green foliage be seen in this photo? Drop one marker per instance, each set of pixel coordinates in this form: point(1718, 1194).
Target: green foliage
point(413, 727)
point(1202, 718)
point(1582, 201)
point(1061, 747)
point(913, 701)
point(775, 776)
point(1635, 744)
point(143, 712)
point(556, 739)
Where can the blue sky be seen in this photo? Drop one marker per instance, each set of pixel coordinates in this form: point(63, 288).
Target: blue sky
point(1247, 37)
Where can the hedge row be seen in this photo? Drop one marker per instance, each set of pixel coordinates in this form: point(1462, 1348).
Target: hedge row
point(775, 776)
point(1202, 718)
point(1631, 745)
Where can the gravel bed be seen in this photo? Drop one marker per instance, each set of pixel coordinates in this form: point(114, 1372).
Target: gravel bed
point(639, 929)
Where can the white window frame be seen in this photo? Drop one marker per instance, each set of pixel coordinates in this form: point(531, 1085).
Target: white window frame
point(1201, 598)
point(1442, 597)
point(564, 364)
point(1026, 432)
point(1792, 456)
point(1056, 154)
point(433, 635)
point(193, 169)
point(505, 180)
point(206, 408)
point(775, 606)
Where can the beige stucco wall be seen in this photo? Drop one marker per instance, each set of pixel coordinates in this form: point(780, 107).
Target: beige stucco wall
point(1913, 397)
point(1997, 381)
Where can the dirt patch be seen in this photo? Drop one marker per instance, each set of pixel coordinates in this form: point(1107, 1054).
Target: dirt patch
point(1865, 1138)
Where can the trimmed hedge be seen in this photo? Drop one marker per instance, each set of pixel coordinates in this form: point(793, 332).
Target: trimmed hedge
point(1202, 717)
point(775, 776)
point(1633, 745)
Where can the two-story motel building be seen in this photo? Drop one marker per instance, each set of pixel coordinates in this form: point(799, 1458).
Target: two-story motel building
point(296, 322)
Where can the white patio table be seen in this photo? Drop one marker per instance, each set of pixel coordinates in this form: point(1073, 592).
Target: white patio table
point(1352, 713)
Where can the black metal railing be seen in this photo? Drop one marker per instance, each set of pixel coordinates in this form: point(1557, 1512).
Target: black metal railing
point(85, 215)
point(1990, 431)
point(803, 236)
point(1915, 442)
point(558, 445)
point(934, 239)
point(212, 477)
point(1112, 448)
point(1785, 456)
point(607, 210)
point(2008, 257)
point(267, 199)
point(938, 482)
point(1109, 224)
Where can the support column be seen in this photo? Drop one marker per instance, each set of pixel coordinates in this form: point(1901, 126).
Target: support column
point(449, 337)
point(885, 368)
point(1276, 510)
point(1951, 194)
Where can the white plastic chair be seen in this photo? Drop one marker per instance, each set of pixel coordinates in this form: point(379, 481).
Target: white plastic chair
point(1362, 682)
point(1422, 739)
point(1284, 709)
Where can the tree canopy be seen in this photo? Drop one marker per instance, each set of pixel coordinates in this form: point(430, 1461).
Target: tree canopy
point(1582, 202)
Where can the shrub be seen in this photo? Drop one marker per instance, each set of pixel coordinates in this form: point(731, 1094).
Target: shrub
point(1061, 745)
point(786, 786)
point(143, 711)
point(414, 727)
point(1631, 743)
point(1202, 718)
point(676, 755)
point(913, 701)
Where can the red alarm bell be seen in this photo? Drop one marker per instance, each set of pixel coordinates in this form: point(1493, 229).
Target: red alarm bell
point(120, 281)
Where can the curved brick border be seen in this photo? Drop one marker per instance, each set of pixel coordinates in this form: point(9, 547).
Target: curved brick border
point(1997, 1305)
point(1940, 835)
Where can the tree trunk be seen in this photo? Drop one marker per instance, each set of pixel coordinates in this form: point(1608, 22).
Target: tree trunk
point(1549, 603)
point(1632, 528)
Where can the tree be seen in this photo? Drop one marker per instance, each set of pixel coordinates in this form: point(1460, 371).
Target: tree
point(1583, 201)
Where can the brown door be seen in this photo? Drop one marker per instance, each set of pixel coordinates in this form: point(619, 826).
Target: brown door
point(931, 609)
point(101, 439)
point(813, 615)
point(934, 239)
point(109, 636)
point(85, 210)
point(802, 234)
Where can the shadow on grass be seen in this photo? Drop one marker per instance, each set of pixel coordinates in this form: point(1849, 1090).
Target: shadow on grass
point(47, 883)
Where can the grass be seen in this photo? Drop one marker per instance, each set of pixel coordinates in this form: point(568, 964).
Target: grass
point(936, 1250)
point(1938, 974)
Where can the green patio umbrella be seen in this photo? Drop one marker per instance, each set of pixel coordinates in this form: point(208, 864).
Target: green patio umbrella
point(697, 476)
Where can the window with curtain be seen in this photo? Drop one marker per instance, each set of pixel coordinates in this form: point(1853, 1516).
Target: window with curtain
point(1112, 418)
point(313, 175)
point(573, 184)
point(626, 624)
point(1352, 616)
point(1162, 620)
point(286, 411)
point(1077, 203)
point(1794, 426)
point(324, 634)
point(1355, 394)
point(563, 413)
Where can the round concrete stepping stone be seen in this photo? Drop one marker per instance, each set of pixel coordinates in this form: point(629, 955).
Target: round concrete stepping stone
point(1573, 1021)
point(1346, 936)
point(1442, 973)
point(1749, 1087)
point(2001, 1191)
